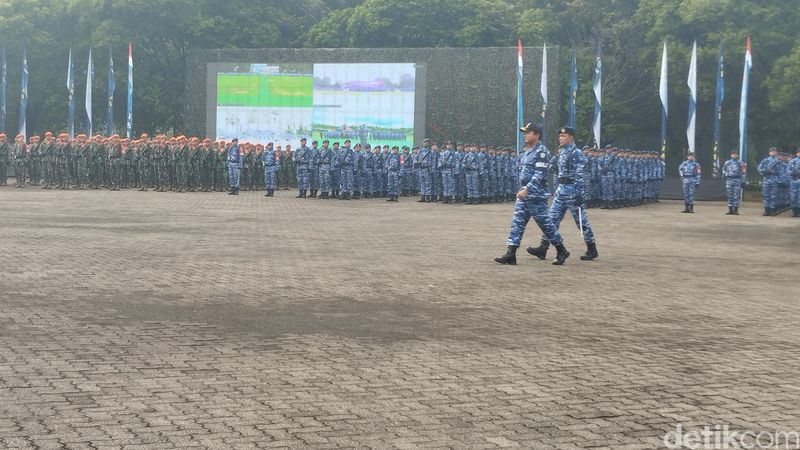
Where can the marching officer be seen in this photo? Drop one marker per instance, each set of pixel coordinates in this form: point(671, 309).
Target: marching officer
point(689, 171)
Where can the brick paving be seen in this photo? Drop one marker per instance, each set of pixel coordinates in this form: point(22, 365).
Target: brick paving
point(161, 320)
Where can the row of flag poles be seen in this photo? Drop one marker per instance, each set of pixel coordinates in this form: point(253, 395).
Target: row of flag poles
point(23, 101)
point(597, 89)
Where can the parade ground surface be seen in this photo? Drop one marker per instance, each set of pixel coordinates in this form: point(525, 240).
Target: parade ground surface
point(165, 320)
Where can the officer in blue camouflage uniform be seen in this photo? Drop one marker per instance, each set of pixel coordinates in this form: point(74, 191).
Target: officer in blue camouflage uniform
point(271, 162)
point(734, 172)
point(783, 199)
point(471, 169)
point(605, 167)
point(393, 166)
point(234, 166)
point(532, 198)
point(459, 179)
point(313, 169)
point(302, 158)
point(793, 170)
point(772, 170)
point(358, 170)
point(325, 158)
point(690, 174)
point(366, 171)
point(447, 163)
point(423, 161)
point(346, 161)
point(407, 172)
point(569, 166)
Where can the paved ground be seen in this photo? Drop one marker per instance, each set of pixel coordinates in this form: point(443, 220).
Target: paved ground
point(171, 320)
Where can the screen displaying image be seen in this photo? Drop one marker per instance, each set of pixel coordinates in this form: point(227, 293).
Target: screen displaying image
point(280, 103)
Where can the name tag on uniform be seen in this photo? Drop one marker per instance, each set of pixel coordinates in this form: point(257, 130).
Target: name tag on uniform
point(541, 165)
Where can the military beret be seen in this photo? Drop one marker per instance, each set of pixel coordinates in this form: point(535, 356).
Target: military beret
point(426, 140)
point(567, 130)
point(798, 150)
point(302, 139)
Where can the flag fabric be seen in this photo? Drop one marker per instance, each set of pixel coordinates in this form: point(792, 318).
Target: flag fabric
point(573, 87)
point(598, 99)
point(129, 121)
point(70, 98)
point(718, 98)
point(692, 83)
point(110, 91)
point(748, 64)
point(519, 95)
point(543, 90)
point(663, 92)
point(89, 77)
point(3, 90)
point(23, 98)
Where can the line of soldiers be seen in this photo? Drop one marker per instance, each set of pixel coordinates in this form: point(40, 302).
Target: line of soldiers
point(455, 173)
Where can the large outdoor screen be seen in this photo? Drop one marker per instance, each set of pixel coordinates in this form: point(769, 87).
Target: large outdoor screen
point(280, 103)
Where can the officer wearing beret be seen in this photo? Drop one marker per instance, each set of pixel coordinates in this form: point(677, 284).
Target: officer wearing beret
point(689, 171)
point(793, 170)
point(734, 172)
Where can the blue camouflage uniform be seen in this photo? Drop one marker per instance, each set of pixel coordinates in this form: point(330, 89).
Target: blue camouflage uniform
point(234, 166)
point(606, 170)
point(347, 161)
point(471, 168)
point(302, 158)
point(569, 165)
point(734, 172)
point(690, 174)
point(534, 164)
point(393, 166)
point(446, 164)
point(313, 170)
point(270, 160)
point(772, 170)
point(423, 160)
point(793, 170)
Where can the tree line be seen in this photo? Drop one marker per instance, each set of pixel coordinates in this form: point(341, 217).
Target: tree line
point(630, 33)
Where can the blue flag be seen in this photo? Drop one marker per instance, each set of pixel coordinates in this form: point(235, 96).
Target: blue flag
point(598, 98)
point(70, 99)
point(748, 63)
point(519, 96)
point(110, 115)
point(718, 98)
point(573, 88)
point(3, 91)
point(543, 90)
point(23, 98)
point(129, 119)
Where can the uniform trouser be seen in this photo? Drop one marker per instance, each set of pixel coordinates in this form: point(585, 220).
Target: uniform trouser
point(20, 170)
point(769, 193)
point(144, 173)
point(607, 184)
point(313, 177)
point(564, 201)
point(325, 179)
point(269, 178)
point(347, 179)
point(689, 186)
point(733, 190)
point(220, 178)
point(794, 193)
point(233, 177)
point(407, 179)
point(393, 183)
point(524, 210)
point(116, 174)
point(336, 178)
point(473, 184)
point(483, 180)
point(377, 182)
point(425, 182)
point(302, 178)
point(448, 183)
point(3, 173)
point(35, 171)
point(83, 174)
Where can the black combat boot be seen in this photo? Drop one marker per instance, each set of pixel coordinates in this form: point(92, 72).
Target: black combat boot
point(561, 256)
point(540, 251)
point(730, 211)
point(686, 208)
point(509, 258)
point(795, 212)
point(691, 208)
point(766, 212)
point(735, 210)
point(271, 193)
point(606, 205)
point(591, 252)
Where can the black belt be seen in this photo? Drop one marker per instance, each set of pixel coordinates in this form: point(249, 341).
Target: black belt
point(734, 177)
point(562, 180)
